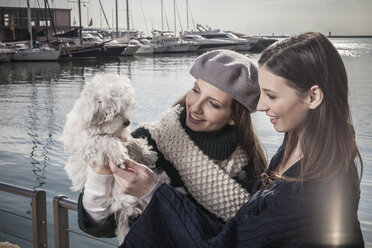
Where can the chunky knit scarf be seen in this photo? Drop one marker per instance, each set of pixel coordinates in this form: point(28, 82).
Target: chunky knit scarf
point(208, 180)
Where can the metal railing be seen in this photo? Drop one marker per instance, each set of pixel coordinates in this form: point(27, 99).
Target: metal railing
point(39, 216)
point(61, 205)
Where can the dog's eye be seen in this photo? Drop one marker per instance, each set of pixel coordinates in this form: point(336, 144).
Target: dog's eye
point(126, 123)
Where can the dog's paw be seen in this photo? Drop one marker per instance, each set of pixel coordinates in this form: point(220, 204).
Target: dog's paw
point(122, 166)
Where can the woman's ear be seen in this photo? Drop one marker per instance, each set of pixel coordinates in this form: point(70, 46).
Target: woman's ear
point(231, 122)
point(315, 97)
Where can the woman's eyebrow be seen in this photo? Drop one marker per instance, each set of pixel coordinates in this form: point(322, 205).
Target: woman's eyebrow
point(268, 90)
point(196, 85)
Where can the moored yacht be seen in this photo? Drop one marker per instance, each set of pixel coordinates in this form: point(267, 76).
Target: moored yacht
point(172, 44)
point(144, 47)
point(6, 54)
point(29, 53)
point(261, 42)
point(209, 44)
point(242, 44)
point(113, 48)
point(70, 50)
point(110, 47)
point(71, 47)
point(36, 54)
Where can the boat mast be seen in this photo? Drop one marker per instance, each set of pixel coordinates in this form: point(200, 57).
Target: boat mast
point(51, 20)
point(174, 15)
point(80, 27)
point(117, 21)
point(29, 22)
point(187, 13)
point(127, 16)
point(46, 20)
point(104, 14)
point(162, 26)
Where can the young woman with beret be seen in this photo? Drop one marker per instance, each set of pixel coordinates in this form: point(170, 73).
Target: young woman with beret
point(206, 145)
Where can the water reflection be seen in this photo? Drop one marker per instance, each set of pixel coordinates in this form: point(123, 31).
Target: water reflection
point(38, 154)
point(350, 48)
point(48, 72)
point(28, 72)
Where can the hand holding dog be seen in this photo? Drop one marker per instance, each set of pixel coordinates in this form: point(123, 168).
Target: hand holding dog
point(136, 180)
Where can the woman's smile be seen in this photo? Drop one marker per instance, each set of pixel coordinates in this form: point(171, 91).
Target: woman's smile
point(273, 119)
point(194, 119)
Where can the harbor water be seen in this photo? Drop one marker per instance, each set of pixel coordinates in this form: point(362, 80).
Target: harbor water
point(36, 96)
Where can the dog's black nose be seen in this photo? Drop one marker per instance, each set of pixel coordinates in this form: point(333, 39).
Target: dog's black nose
point(126, 123)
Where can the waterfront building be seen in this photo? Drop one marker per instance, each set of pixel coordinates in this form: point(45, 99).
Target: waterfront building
point(13, 22)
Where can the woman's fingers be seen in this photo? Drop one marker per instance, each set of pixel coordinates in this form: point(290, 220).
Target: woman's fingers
point(116, 170)
point(134, 166)
point(136, 180)
point(122, 183)
point(128, 165)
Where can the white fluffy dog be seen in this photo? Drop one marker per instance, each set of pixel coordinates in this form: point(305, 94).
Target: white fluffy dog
point(96, 130)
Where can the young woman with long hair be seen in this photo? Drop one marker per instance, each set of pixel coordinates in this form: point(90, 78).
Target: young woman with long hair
point(310, 193)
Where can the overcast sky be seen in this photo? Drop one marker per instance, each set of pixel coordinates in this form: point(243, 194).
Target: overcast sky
point(253, 17)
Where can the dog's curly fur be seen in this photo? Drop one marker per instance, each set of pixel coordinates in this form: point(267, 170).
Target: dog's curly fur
point(97, 130)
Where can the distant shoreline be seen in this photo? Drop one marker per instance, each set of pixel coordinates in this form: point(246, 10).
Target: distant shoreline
point(329, 36)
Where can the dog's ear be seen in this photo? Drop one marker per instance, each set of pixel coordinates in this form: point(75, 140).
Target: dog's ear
point(91, 103)
point(99, 115)
point(91, 108)
point(103, 110)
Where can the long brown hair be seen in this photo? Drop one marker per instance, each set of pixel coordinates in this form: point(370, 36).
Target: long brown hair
point(248, 138)
point(328, 144)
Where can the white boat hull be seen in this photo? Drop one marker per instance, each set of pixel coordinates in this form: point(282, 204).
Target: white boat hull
point(36, 55)
point(181, 48)
point(130, 50)
point(6, 57)
point(160, 49)
point(145, 50)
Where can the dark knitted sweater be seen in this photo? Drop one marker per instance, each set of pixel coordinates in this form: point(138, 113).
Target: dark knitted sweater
point(311, 214)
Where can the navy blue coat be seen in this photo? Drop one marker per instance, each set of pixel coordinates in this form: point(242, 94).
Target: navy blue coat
point(312, 214)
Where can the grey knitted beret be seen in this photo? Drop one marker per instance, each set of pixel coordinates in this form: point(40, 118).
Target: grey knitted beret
point(232, 73)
